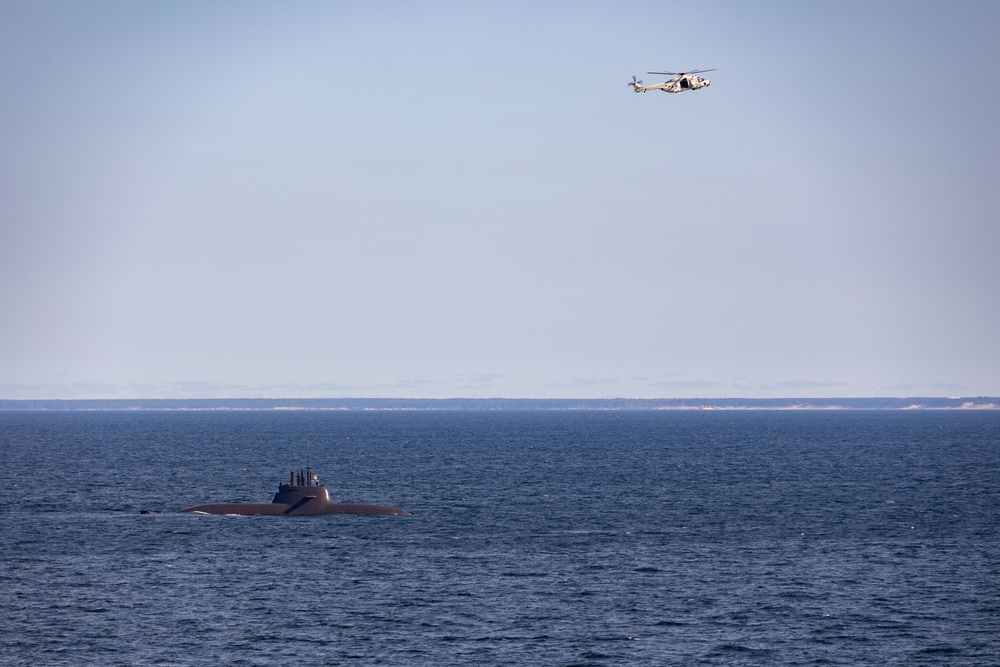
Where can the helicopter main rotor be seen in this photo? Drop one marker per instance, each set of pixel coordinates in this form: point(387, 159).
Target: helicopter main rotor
point(694, 71)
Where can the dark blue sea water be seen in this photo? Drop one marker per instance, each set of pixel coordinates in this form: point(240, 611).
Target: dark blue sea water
point(536, 538)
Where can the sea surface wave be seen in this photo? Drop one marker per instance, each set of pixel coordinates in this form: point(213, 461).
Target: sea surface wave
point(541, 538)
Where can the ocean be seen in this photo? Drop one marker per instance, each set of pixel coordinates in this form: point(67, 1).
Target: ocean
point(536, 538)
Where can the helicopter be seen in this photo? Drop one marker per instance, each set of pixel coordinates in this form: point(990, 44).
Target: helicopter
point(682, 81)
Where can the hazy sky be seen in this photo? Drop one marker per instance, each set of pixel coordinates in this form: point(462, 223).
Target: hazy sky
point(464, 199)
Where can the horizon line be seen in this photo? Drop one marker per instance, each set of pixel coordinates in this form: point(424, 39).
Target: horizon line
point(501, 403)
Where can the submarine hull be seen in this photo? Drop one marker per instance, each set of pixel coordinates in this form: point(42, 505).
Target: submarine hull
point(302, 495)
point(280, 509)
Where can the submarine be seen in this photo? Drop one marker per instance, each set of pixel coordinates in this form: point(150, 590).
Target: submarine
point(302, 494)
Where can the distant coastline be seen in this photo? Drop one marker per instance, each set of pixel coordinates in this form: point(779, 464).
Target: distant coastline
point(506, 404)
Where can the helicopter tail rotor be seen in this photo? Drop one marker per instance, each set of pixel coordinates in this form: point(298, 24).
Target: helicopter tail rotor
point(636, 85)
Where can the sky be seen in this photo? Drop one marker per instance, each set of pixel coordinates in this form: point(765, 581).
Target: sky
point(453, 199)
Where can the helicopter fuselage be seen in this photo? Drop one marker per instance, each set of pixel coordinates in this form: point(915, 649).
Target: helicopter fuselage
point(675, 85)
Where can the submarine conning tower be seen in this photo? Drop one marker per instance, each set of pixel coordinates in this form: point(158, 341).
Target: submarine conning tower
point(302, 485)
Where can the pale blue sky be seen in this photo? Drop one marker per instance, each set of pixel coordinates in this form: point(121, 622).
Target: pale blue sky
point(451, 199)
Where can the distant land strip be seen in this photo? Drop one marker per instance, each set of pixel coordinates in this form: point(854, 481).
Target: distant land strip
point(508, 404)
